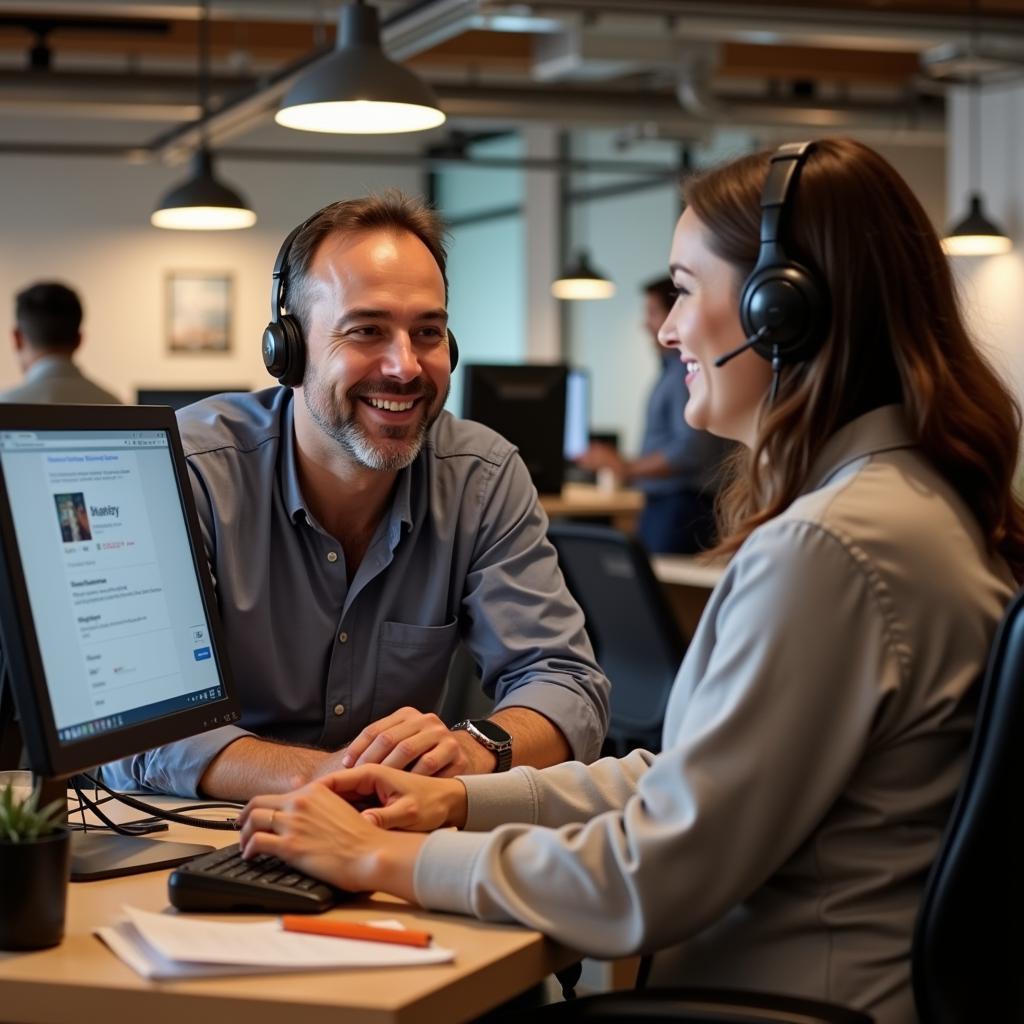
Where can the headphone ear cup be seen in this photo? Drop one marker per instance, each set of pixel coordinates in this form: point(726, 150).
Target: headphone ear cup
point(284, 351)
point(453, 350)
point(784, 301)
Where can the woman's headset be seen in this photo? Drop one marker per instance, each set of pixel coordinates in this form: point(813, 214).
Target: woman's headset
point(784, 306)
point(284, 347)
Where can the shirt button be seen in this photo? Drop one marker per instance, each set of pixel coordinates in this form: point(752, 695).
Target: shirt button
point(332, 556)
point(339, 709)
point(343, 637)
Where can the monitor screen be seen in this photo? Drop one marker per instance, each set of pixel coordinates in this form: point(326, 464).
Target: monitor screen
point(106, 604)
point(577, 414)
point(178, 398)
point(526, 405)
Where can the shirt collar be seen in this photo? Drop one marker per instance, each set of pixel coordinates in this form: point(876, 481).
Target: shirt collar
point(46, 366)
point(401, 504)
point(880, 430)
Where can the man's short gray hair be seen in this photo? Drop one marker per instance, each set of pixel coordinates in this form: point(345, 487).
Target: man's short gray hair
point(390, 211)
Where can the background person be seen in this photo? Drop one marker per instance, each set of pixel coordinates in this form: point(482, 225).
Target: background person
point(819, 725)
point(679, 468)
point(47, 333)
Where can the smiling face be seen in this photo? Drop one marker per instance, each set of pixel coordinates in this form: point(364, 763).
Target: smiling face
point(378, 368)
point(704, 324)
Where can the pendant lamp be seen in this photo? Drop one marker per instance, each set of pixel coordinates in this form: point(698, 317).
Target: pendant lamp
point(581, 281)
point(975, 234)
point(357, 90)
point(203, 202)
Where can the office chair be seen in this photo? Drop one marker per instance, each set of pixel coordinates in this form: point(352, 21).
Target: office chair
point(630, 624)
point(967, 959)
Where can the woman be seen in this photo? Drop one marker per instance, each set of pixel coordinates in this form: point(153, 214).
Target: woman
point(817, 730)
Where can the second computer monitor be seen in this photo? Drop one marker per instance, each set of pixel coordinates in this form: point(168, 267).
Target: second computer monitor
point(526, 405)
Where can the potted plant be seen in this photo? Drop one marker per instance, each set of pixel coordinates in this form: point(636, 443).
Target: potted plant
point(35, 864)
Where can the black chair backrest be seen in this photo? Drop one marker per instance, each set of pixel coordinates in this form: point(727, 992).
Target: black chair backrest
point(968, 957)
point(636, 639)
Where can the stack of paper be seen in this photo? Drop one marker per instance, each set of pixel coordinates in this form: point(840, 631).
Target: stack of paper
point(164, 946)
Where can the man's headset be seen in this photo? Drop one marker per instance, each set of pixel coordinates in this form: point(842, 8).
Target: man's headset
point(284, 347)
point(784, 306)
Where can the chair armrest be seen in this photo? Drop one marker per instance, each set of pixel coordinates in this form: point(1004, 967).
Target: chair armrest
point(699, 1006)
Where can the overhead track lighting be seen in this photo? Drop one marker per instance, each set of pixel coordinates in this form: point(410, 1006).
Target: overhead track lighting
point(975, 234)
point(581, 281)
point(203, 202)
point(357, 90)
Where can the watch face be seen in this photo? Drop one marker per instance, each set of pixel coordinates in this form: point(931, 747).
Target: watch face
point(493, 732)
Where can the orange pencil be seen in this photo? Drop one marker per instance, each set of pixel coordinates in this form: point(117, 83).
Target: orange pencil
point(353, 930)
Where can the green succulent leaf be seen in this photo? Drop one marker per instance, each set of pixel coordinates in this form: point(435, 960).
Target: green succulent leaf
point(23, 821)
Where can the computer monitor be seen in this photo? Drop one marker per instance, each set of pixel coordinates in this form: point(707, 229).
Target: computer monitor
point(178, 398)
point(107, 613)
point(526, 405)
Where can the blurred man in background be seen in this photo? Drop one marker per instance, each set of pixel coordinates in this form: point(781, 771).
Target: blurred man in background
point(678, 467)
point(47, 332)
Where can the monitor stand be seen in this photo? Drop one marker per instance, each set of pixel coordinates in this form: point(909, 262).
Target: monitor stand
point(94, 855)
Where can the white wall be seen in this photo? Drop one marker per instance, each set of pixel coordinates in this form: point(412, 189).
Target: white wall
point(86, 221)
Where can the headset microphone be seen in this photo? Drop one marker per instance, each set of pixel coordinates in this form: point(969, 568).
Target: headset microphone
point(760, 334)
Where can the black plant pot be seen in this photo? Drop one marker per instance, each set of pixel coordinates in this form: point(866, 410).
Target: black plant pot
point(33, 891)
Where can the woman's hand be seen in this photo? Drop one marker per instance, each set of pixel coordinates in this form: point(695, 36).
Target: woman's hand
point(322, 835)
point(413, 802)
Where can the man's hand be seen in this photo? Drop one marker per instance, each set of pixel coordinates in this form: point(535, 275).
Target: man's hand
point(603, 456)
point(417, 741)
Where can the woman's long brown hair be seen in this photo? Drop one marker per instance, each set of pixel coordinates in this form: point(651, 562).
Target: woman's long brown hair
point(896, 335)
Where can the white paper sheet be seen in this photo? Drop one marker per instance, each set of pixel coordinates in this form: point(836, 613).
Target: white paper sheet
point(179, 946)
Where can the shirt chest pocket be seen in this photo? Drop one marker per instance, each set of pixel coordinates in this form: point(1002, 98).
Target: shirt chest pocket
point(412, 666)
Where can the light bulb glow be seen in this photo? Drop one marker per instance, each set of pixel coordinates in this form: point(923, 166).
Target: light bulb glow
point(360, 117)
point(582, 288)
point(976, 245)
point(203, 218)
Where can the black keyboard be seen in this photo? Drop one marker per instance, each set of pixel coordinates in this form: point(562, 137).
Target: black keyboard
point(222, 881)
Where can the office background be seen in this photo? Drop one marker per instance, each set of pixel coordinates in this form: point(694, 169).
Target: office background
point(543, 113)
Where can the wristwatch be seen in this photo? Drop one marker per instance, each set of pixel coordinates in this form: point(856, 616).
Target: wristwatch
point(491, 736)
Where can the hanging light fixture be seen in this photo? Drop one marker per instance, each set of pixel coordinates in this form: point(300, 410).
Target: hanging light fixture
point(581, 281)
point(203, 202)
point(357, 90)
point(975, 234)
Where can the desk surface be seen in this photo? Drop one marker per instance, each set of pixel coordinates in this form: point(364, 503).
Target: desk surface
point(687, 571)
point(589, 500)
point(81, 980)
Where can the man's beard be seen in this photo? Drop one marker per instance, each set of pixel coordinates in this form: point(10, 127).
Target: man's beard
point(395, 447)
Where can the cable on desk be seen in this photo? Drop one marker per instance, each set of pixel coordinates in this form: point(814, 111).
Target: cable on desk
point(155, 812)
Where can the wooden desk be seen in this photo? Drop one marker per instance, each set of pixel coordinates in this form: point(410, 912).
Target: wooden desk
point(587, 501)
point(81, 980)
point(688, 582)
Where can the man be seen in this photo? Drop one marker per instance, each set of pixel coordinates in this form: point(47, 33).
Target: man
point(357, 532)
point(678, 466)
point(47, 332)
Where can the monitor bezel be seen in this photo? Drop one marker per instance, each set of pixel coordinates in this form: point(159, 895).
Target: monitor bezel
point(45, 753)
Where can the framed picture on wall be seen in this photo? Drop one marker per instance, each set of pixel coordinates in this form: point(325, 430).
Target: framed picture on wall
point(199, 310)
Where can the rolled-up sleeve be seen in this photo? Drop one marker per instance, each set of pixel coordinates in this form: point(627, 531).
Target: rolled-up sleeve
point(525, 631)
point(768, 738)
